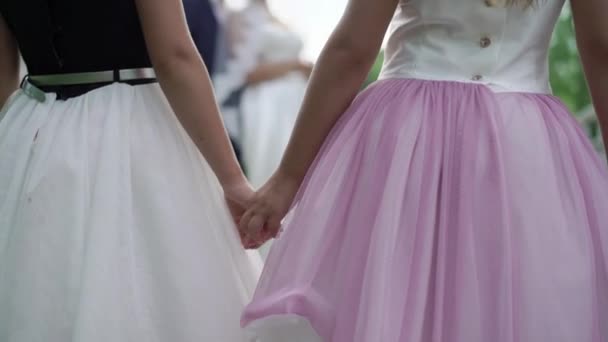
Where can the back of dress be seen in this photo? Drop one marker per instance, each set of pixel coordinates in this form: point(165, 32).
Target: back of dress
point(504, 47)
point(70, 36)
point(93, 179)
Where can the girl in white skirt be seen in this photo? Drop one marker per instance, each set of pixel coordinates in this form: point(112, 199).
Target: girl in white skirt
point(113, 217)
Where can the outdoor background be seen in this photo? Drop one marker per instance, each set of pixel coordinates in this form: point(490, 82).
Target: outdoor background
point(315, 19)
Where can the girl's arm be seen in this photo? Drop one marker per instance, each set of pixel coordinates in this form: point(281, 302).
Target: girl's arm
point(9, 63)
point(336, 79)
point(185, 81)
point(592, 38)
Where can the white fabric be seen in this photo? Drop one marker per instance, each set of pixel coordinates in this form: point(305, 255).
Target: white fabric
point(268, 109)
point(442, 40)
point(113, 227)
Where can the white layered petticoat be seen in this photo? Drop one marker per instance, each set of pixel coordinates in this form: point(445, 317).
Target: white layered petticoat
point(112, 225)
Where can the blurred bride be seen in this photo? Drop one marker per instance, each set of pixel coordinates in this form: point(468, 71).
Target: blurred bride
point(265, 64)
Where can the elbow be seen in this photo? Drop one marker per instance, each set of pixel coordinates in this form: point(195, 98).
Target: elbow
point(353, 52)
point(175, 59)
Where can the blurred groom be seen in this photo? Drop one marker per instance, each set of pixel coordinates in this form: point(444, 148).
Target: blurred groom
point(204, 25)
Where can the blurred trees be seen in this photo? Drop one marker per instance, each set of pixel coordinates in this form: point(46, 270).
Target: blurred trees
point(567, 78)
point(375, 71)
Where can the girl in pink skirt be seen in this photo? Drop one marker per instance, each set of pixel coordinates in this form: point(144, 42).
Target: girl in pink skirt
point(456, 200)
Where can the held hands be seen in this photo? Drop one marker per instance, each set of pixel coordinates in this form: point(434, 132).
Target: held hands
point(237, 196)
point(262, 219)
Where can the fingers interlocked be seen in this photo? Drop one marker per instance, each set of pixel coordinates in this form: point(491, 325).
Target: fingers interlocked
point(259, 224)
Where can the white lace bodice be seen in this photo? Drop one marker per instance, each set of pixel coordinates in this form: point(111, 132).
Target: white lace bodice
point(473, 41)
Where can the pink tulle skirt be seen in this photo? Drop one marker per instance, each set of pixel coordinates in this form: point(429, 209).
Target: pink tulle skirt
point(443, 212)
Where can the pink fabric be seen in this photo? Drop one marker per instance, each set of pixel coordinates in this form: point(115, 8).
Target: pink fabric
point(443, 212)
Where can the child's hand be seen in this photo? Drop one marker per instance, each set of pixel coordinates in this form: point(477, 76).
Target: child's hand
point(262, 220)
point(238, 196)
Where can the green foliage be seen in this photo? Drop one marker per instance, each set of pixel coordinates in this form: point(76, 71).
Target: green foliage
point(566, 73)
point(375, 71)
point(567, 78)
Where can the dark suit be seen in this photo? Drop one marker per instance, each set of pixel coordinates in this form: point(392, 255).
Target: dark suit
point(204, 28)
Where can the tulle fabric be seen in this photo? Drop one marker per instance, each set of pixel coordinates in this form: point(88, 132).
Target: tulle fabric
point(443, 212)
point(112, 225)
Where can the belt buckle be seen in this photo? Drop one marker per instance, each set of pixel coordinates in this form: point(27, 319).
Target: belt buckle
point(32, 91)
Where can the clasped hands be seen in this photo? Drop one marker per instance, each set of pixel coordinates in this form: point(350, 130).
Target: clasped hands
point(258, 214)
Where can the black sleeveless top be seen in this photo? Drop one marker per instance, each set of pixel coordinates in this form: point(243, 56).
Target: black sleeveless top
point(68, 36)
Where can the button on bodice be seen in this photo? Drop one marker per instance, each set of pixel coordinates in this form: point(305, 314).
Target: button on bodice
point(485, 42)
point(481, 41)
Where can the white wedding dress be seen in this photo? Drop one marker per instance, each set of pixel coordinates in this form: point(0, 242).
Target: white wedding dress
point(269, 109)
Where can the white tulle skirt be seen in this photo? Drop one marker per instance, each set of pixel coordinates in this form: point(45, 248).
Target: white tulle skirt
point(112, 225)
point(269, 112)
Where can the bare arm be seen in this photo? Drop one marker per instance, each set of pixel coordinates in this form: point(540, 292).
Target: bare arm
point(337, 78)
point(9, 63)
point(185, 81)
point(592, 38)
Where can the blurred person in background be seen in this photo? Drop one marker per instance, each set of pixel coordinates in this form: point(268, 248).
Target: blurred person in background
point(266, 65)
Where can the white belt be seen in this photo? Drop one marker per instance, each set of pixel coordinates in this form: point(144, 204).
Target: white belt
point(31, 83)
point(93, 77)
